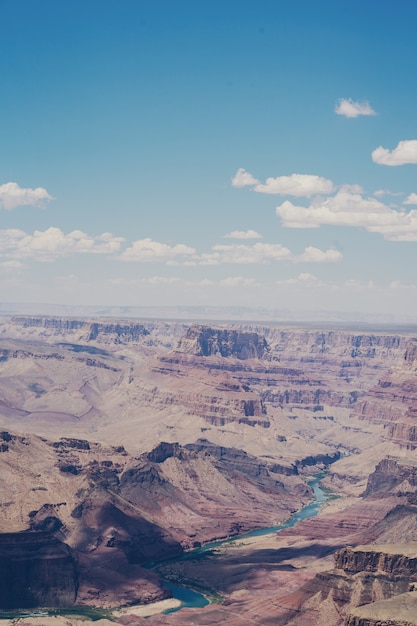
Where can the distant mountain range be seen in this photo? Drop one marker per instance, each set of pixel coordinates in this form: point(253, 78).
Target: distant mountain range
point(210, 313)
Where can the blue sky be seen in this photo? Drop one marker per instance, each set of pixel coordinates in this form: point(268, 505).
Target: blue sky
point(248, 153)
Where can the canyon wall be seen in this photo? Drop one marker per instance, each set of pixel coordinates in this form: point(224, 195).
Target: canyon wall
point(36, 569)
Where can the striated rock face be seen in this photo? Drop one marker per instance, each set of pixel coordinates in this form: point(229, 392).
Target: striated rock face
point(393, 475)
point(208, 341)
point(398, 611)
point(59, 325)
point(36, 569)
point(84, 331)
point(210, 390)
point(120, 333)
point(362, 576)
point(393, 401)
point(373, 559)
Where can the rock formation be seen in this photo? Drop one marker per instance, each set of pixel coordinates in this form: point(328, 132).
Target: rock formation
point(122, 512)
point(36, 569)
point(393, 401)
point(207, 341)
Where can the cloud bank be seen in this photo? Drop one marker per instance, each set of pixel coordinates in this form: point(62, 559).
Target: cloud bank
point(148, 250)
point(352, 209)
point(52, 243)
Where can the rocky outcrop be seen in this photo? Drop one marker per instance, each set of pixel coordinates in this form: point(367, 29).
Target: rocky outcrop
point(398, 611)
point(117, 333)
point(362, 576)
point(36, 569)
point(56, 324)
point(393, 400)
point(392, 476)
point(397, 561)
point(103, 514)
point(208, 341)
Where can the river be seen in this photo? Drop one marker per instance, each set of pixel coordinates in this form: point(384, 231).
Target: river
point(187, 596)
point(193, 599)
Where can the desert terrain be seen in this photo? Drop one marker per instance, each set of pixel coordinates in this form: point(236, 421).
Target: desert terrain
point(127, 444)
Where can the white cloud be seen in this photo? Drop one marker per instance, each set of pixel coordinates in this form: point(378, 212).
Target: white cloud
point(241, 253)
point(353, 283)
point(11, 267)
point(243, 234)
point(304, 278)
point(53, 243)
point(397, 284)
point(298, 185)
point(350, 108)
point(405, 152)
point(150, 281)
point(315, 255)
point(232, 281)
point(346, 209)
point(351, 188)
point(238, 281)
point(386, 192)
point(12, 196)
point(242, 178)
point(148, 250)
point(262, 253)
point(411, 199)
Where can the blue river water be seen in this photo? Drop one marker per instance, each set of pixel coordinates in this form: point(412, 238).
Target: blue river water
point(193, 599)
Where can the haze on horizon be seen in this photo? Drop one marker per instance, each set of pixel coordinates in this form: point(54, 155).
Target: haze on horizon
point(251, 154)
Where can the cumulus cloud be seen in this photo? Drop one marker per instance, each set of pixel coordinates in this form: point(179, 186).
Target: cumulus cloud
point(298, 185)
point(52, 243)
point(404, 153)
point(238, 281)
point(150, 281)
point(347, 209)
point(351, 108)
point(241, 253)
point(411, 199)
point(12, 196)
point(243, 234)
point(242, 178)
point(351, 188)
point(148, 250)
point(385, 192)
point(263, 253)
point(305, 278)
point(315, 255)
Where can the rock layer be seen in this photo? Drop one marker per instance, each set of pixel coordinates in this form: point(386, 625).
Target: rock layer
point(36, 569)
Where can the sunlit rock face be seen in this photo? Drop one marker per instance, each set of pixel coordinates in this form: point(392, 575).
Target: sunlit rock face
point(393, 475)
point(208, 341)
point(393, 400)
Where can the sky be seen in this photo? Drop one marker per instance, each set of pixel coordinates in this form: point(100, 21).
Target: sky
point(246, 153)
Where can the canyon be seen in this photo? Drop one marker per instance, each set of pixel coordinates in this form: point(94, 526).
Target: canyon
point(126, 444)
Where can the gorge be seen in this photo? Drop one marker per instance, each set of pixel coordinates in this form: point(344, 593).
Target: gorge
point(125, 442)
